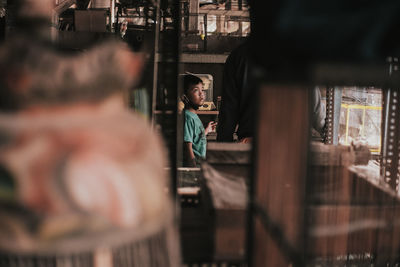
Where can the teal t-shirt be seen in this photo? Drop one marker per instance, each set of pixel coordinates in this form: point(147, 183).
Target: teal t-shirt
point(193, 132)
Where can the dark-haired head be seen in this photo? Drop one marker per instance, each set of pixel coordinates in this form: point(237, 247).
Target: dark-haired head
point(189, 80)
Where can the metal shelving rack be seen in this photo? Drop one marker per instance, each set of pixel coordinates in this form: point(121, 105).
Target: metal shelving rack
point(333, 102)
point(390, 130)
point(165, 77)
point(390, 157)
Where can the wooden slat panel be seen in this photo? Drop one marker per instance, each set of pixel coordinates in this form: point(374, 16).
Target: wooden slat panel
point(230, 234)
point(281, 167)
point(350, 229)
point(266, 252)
point(336, 184)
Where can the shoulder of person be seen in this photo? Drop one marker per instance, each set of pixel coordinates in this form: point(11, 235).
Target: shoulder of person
point(189, 114)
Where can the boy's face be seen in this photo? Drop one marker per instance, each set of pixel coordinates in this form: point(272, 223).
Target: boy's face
point(196, 94)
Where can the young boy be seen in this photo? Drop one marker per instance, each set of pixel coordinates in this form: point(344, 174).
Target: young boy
point(194, 134)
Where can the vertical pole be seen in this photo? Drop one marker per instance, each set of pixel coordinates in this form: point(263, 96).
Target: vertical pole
point(193, 15)
point(117, 27)
point(390, 149)
point(385, 129)
point(2, 20)
point(329, 116)
point(391, 132)
point(347, 125)
point(177, 87)
point(336, 114)
point(363, 122)
point(166, 78)
point(155, 62)
point(54, 23)
point(205, 32)
point(333, 105)
point(112, 15)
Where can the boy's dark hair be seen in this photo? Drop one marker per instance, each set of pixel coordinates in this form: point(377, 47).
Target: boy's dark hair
point(189, 80)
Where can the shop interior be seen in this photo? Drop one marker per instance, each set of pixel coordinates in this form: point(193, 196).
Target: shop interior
point(314, 183)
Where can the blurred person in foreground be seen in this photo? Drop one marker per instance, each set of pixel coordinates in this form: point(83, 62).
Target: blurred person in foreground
point(73, 161)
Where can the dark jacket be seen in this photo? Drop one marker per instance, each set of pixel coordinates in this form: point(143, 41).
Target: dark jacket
point(237, 103)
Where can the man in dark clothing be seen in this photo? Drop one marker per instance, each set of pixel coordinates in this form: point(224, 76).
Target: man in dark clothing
point(239, 103)
point(237, 106)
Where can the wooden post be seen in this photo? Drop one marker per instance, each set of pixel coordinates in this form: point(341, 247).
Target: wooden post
point(279, 189)
point(193, 15)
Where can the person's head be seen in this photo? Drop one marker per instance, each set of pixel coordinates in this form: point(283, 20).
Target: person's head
point(193, 91)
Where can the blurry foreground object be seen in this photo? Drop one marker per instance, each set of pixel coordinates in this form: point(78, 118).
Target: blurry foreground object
point(79, 177)
point(82, 180)
point(34, 73)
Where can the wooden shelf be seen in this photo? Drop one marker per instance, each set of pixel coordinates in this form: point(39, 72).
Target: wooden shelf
point(207, 112)
point(169, 112)
point(203, 58)
point(219, 12)
point(197, 58)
